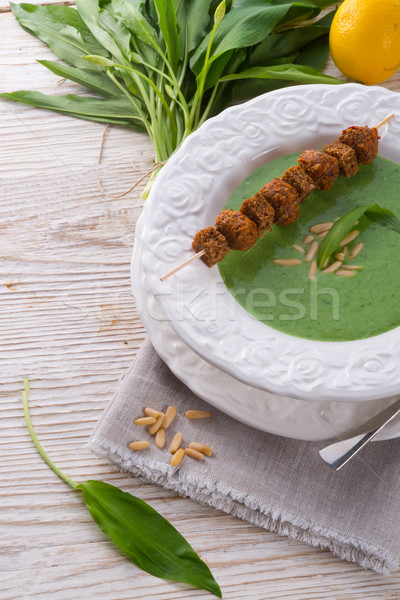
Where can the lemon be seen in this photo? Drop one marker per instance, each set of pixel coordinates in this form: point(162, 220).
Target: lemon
point(365, 39)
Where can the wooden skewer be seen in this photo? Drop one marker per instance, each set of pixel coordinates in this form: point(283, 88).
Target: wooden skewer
point(202, 252)
point(385, 120)
point(184, 264)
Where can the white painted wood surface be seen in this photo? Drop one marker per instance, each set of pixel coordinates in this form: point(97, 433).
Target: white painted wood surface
point(68, 321)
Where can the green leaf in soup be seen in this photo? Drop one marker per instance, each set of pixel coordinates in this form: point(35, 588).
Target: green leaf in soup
point(374, 212)
point(113, 110)
point(169, 30)
point(148, 539)
point(95, 81)
point(241, 27)
point(383, 216)
point(61, 28)
point(278, 45)
point(337, 232)
point(291, 72)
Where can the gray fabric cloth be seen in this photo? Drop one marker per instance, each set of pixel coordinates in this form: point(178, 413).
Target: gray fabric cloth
point(273, 482)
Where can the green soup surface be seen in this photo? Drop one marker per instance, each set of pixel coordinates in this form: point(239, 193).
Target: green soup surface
point(331, 308)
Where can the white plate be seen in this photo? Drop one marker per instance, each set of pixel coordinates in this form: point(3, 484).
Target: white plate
point(191, 190)
point(298, 419)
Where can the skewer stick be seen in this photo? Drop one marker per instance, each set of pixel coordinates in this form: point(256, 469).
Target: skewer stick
point(183, 265)
point(385, 120)
point(202, 252)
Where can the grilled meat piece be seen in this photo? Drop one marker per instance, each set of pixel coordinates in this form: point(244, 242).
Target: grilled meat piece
point(213, 242)
point(240, 232)
point(363, 140)
point(259, 211)
point(322, 168)
point(298, 178)
point(284, 200)
point(346, 156)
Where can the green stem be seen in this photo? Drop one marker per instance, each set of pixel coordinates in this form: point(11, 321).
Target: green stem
point(36, 442)
point(173, 82)
point(158, 150)
point(209, 104)
point(159, 95)
point(195, 112)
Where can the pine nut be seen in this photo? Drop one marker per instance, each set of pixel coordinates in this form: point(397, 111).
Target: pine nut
point(203, 448)
point(298, 249)
point(333, 267)
point(156, 426)
point(151, 412)
point(145, 421)
point(177, 457)
point(326, 263)
point(308, 239)
point(349, 237)
point(345, 249)
point(356, 250)
point(339, 256)
point(322, 235)
point(198, 414)
point(320, 227)
point(194, 453)
point(287, 262)
point(343, 273)
point(176, 442)
point(160, 438)
point(170, 415)
point(139, 445)
point(352, 267)
point(312, 251)
point(312, 273)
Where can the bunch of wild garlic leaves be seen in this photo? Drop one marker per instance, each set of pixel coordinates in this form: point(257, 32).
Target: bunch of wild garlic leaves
point(165, 66)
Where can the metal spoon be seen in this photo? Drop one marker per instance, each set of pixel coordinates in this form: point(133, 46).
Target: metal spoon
point(340, 453)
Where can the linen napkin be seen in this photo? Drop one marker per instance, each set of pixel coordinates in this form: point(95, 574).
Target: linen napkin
point(271, 481)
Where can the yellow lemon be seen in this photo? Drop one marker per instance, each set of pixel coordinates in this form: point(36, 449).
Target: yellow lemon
point(365, 39)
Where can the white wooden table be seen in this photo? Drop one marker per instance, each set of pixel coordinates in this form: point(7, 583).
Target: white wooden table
point(68, 322)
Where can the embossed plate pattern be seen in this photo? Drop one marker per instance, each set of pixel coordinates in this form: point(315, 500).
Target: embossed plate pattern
point(298, 419)
point(188, 194)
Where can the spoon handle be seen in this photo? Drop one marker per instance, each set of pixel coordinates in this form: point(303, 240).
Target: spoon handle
point(340, 453)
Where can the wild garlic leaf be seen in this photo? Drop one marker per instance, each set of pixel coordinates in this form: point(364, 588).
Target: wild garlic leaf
point(115, 40)
point(168, 28)
point(291, 72)
point(383, 216)
point(197, 20)
point(62, 29)
point(136, 22)
point(96, 81)
point(113, 110)
point(278, 45)
point(241, 27)
point(148, 539)
point(374, 212)
point(314, 54)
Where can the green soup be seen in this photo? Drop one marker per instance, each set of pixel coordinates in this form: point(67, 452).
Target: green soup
point(331, 308)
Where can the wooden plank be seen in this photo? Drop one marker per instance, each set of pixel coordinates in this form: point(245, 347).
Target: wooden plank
point(69, 322)
point(5, 5)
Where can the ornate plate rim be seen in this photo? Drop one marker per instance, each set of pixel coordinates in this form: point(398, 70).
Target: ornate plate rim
point(193, 178)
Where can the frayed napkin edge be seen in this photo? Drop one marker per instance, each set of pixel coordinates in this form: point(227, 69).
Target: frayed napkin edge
point(248, 508)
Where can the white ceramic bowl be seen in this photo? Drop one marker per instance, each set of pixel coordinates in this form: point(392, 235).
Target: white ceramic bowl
point(288, 417)
point(191, 190)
